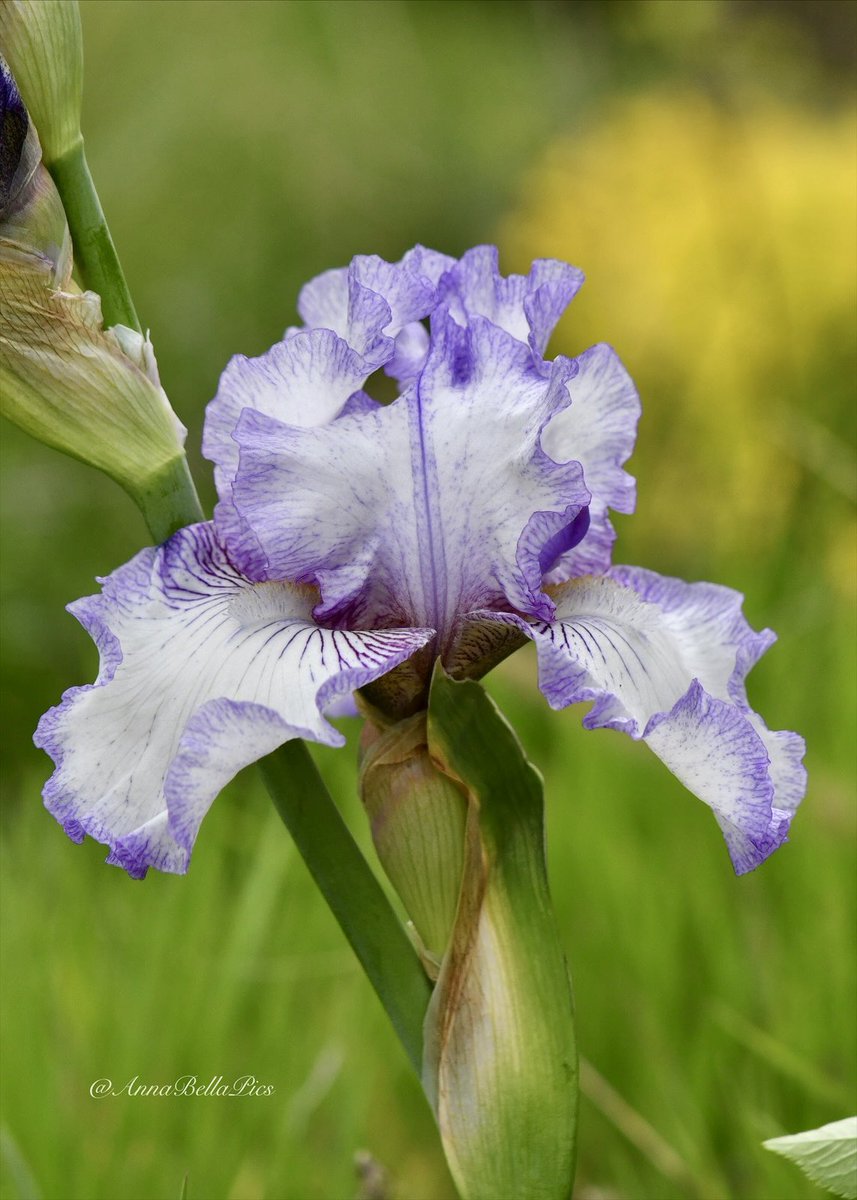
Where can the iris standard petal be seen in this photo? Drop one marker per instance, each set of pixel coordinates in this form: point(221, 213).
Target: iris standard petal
point(427, 264)
point(201, 673)
point(307, 379)
point(304, 380)
point(412, 340)
point(368, 302)
point(418, 512)
point(665, 661)
point(526, 306)
point(358, 318)
point(598, 429)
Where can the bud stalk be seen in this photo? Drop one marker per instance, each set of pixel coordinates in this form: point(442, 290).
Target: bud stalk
point(94, 253)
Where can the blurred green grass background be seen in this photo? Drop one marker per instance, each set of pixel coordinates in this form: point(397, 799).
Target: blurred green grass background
point(697, 159)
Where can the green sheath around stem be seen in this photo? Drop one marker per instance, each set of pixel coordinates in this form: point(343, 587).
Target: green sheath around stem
point(500, 1061)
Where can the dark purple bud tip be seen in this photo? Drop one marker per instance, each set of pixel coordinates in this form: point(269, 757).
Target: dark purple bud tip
point(13, 132)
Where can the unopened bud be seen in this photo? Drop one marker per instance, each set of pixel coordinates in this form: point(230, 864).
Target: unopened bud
point(14, 123)
point(41, 41)
point(31, 212)
point(417, 815)
point(89, 391)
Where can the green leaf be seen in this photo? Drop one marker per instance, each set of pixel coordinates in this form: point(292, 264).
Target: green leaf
point(500, 1056)
point(828, 1155)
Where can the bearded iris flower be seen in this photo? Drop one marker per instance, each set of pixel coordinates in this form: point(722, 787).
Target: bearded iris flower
point(355, 543)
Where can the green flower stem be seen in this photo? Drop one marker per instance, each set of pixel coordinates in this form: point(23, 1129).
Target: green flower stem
point(168, 500)
point(94, 253)
point(352, 891)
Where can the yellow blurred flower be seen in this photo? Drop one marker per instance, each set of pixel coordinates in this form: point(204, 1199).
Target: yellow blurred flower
point(721, 253)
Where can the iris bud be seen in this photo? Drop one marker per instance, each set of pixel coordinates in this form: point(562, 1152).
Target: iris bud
point(14, 123)
point(83, 389)
point(31, 212)
point(41, 41)
point(417, 816)
point(91, 392)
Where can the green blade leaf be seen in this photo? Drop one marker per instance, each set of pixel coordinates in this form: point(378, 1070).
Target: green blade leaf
point(828, 1155)
point(500, 1056)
